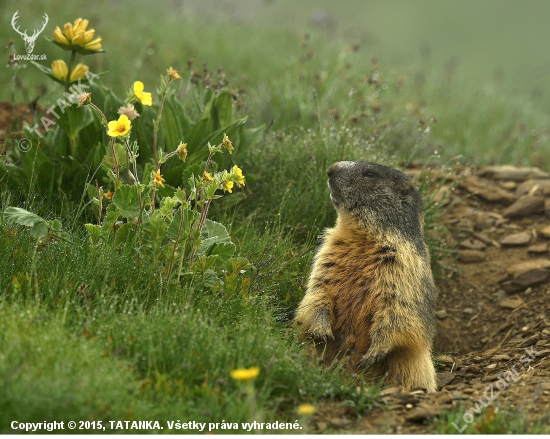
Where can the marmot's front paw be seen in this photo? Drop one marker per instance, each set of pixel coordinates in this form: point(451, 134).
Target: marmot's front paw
point(321, 325)
point(372, 356)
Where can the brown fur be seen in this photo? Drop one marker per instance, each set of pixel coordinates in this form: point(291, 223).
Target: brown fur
point(369, 297)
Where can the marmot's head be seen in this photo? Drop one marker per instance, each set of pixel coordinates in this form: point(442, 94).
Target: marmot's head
point(377, 197)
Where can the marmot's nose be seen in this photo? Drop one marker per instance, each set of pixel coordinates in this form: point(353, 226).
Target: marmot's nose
point(338, 165)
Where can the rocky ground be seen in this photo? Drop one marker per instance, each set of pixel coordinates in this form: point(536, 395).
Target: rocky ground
point(493, 341)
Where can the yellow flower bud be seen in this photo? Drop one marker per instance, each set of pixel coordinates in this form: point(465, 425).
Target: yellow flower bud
point(172, 73)
point(68, 31)
point(59, 37)
point(60, 69)
point(79, 72)
point(245, 374)
point(182, 151)
point(227, 143)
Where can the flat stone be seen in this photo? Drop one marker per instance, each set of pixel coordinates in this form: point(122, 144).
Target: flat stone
point(516, 239)
point(539, 247)
point(501, 357)
point(512, 173)
point(541, 343)
point(468, 310)
point(486, 190)
point(441, 314)
point(530, 278)
point(511, 302)
point(544, 232)
point(421, 413)
point(530, 341)
point(522, 267)
point(473, 244)
point(533, 187)
point(508, 185)
point(525, 206)
point(469, 256)
point(483, 238)
point(447, 359)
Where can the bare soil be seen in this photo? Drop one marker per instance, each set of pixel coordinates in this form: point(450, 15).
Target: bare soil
point(493, 325)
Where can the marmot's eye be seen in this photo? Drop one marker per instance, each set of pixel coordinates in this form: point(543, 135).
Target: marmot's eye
point(369, 174)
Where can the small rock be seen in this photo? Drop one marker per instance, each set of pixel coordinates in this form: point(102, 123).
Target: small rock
point(391, 391)
point(511, 302)
point(447, 359)
point(441, 314)
point(477, 359)
point(473, 244)
point(468, 391)
point(522, 267)
point(508, 185)
point(491, 366)
point(483, 238)
point(525, 206)
point(487, 191)
point(539, 247)
point(469, 256)
point(530, 341)
point(468, 310)
point(533, 277)
point(501, 357)
point(516, 239)
point(421, 413)
point(444, 378)
point(545, 232)
point(513, 173)
point(541, 343)
point(444, 398)
point(528, 291)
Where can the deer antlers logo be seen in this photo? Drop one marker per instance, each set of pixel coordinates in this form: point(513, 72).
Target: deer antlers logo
point(29, 40)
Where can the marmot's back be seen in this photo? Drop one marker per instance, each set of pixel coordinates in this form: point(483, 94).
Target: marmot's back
point(371, 293)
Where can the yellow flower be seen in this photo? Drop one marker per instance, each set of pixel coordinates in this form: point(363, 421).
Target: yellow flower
point(305, 409)
point(59, 37)
point(60, 69)
point(227, 186)
point(157, 178)
point(144, 98)
point(207, 176)
point(245, 374)
point(172, 73)
point(79, 71)
point(108, 195)
point(94, 45)
point(237, 175)
point(82, 38)
point(120, 127)
point(227, 143)
point(75, 34)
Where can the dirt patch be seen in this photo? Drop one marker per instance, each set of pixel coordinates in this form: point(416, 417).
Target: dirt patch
point(493, 329)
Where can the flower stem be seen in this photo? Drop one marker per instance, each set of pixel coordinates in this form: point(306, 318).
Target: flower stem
point(157, 121)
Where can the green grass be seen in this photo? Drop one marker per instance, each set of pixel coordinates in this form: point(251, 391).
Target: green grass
point(98, 335)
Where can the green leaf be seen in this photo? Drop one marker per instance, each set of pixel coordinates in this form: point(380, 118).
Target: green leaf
point(157, 227)
point(223, 110)
point(188, 217)
point(17, 215)
point(127, 200)
point(125, 233)
point(214, 233)
point(74, 119)
point(94, 232)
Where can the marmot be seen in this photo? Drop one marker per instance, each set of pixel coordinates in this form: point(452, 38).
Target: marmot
point(371, 293)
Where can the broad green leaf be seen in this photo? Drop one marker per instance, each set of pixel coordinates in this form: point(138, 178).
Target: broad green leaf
point(74, 119)
point(223, 110)
point(125, 233)
point(127, 200)
point(94, 232)
point(22, 217)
